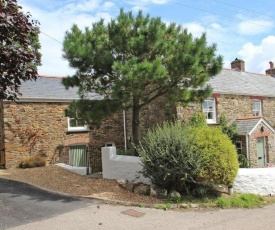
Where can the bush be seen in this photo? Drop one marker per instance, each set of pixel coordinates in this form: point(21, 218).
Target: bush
point(181, 157)
point(33, 161)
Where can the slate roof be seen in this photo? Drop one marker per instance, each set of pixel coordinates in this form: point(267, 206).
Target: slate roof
point(245, 126)
point(49, 89)
point(231, 81)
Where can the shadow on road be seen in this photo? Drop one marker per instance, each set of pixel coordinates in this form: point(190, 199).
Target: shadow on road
point(15, 189)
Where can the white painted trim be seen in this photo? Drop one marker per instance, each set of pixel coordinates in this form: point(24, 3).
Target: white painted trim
point(247, 146)
point(265, 122)
point(77, 128)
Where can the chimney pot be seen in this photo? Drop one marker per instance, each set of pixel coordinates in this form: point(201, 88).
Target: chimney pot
point(238, 64)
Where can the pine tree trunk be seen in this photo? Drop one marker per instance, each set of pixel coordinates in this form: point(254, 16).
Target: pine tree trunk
point(135, 121)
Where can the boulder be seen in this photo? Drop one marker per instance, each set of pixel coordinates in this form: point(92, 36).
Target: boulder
point(174, 193)
point(158, 191)
point(141, 189)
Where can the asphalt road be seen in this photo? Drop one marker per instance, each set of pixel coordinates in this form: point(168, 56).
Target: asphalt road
point(23, 207)
point(21, 204)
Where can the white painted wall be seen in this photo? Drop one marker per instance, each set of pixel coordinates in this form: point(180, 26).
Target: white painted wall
point(255, 180)
point(121, 167)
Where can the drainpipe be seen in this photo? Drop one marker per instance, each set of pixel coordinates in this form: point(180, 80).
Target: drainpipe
point(124, 129)
point(247, 147)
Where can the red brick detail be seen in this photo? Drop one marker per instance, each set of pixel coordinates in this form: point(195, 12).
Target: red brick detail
point(216, 95)
point(261, 134)
point(80, 140)
point(248, 117)
point(257, 98)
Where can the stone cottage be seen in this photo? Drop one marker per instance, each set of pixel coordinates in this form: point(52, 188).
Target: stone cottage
point(248, 99)
point(36, 123)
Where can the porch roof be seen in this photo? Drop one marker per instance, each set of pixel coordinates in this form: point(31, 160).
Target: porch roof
point(246, 125)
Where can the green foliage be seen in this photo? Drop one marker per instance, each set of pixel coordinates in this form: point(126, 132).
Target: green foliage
point(198, 119)
point(241, 201)
point(134, 60)
point(229, 129)
point(32, 161)
point(185, 158)
point(19, 55)
point(128, 152)
point(243, 161)
point(218, 154)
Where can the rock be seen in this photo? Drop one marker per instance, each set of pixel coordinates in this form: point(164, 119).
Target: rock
point(183, 205)
point(122, 181)
point(174, 193)
point(141, 189)
point(194, 205)
point(129, 186)
point(126, 184)
point(158, 191)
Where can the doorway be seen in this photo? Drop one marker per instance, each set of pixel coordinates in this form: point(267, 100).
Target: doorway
point(261, 153)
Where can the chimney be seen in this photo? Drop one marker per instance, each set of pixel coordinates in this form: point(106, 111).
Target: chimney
point(271, 70)
point(238, 64)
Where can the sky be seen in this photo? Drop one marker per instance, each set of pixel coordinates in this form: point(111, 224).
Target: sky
point(241, 29)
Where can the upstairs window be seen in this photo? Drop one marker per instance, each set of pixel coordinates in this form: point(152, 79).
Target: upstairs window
point(257, 108)
point(209, 109)
point(77, 125)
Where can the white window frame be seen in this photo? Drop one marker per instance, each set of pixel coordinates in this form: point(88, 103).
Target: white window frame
point(76, 128)
point(210, 110)
point(257, 107)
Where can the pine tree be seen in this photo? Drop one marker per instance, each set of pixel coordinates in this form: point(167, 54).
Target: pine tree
point(133, 60)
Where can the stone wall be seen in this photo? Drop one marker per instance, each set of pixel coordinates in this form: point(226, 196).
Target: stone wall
point(257, 181)
point(2, 139)
point(32, 128)
point(122, 167)
point(156, 112)
point(269, 140)
point(234, 106)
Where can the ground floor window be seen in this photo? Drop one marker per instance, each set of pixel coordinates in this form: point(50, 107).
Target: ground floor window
point(78, 155)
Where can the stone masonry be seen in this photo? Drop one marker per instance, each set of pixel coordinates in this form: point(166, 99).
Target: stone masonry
point(241, 106)
point(32, 128)
point(2, 139)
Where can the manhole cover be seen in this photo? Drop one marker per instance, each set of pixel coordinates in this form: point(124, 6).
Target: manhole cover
point(131, 212)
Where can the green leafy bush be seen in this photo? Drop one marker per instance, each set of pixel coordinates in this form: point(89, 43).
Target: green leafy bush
point(33, 161)
point(218, 153)
point(181, 157)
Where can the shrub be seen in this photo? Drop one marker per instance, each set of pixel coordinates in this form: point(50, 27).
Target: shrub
point(33, 161)
point(219, 156)
point(178, 156)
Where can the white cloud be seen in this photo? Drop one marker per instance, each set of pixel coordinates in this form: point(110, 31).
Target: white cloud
point(196, 29)
point(252, 27)
point(257, 57)
point(56, 22)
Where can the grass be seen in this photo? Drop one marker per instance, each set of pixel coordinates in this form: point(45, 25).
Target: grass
point(243, 201)
point(235, 201)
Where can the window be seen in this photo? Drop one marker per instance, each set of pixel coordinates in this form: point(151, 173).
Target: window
point(257, 108)
point(78, 156)
point(239, 147)
point(76, 125)
point(209, 109)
